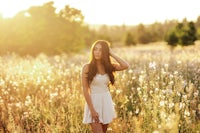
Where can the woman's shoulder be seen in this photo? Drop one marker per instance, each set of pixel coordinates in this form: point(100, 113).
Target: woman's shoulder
point(85, 67)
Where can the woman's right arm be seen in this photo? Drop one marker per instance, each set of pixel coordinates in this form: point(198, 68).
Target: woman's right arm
point(86, 91)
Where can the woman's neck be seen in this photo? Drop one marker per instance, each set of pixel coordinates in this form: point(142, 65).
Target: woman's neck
point(100, 67)
point(98, 62)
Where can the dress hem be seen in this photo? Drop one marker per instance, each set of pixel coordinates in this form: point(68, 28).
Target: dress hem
point(99, 122)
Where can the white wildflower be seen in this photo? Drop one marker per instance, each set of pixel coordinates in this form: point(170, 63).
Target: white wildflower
point(52, 95)
point(187, 113)
point(166, 65)
point(137, 111)
point(130, 71)
point(181, 105)
point(171, 105)
point(179, 62)
point(152, 65)
point(162, 103)
point(175, 72)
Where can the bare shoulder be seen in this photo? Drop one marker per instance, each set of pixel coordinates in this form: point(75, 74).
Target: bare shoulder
point(85, 68)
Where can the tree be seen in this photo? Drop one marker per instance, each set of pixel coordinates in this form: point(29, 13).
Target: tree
point(156, 31)
point(183, 34)
point(197, 24)
point(188, 35)
point(129, 39)
point(172, 38)
point(192, 32)
point(143, 36)
point(40, 29)
point(71, 14)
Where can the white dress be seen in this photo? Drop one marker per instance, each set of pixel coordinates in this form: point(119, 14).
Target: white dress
point(101, 100)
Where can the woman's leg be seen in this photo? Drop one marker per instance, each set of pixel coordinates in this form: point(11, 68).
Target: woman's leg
point(97, 128)
point(104, 126)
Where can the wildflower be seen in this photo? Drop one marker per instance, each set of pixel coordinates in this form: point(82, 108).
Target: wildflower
point(130, 71)
point(141, 78)
point(171, 76)
point(26, 114)
point(151, 92)
point(138, 89)
point(163, 114)
point(187, 113)
point(179, 62)
point(118, 91)
point(185, 97)
point(169, 91)
point(152, 65)
point(163, 91)
point(28, 100)
point(1, 100)
point(162, 103)
point(181, 105)
point(184, 83)
point(163, 71)
point(178, 93)
point(145, 99)
point(171, 82)
point(175, 72)
point(171, 105)
point(19, 105)
point(133, 78)
point(109, 129)
point(2, 82)
point(52, 95)
point(166, 65)
point(196, 93)
point(156, 89)
point(137, 111)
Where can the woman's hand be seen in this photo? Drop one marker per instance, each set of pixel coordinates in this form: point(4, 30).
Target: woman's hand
point(95, 116)
point(122, 64)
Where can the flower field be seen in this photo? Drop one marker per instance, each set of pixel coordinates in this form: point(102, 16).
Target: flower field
point(159, 93)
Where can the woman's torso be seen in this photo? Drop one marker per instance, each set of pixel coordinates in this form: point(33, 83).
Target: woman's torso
point(100, 83)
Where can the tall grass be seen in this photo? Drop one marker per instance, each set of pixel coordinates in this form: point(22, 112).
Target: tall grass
point(158, 94)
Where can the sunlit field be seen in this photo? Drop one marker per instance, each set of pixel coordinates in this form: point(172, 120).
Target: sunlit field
point(159, 93)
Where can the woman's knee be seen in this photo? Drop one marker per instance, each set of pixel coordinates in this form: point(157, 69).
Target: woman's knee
point(97, 128)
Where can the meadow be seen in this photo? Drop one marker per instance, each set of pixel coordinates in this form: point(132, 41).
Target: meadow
point(159, 93)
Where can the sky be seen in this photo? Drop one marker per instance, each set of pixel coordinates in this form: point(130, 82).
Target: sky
point(116, 12)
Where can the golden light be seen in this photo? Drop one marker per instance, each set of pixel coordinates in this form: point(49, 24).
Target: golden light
point(9, 8)
point(114, 12)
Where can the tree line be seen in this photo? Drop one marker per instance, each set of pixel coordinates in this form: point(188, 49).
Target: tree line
point(41, 29)
point(173, 32)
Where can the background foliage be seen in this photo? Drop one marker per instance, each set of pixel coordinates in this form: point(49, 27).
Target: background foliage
point(184, 34)
point(42, 29)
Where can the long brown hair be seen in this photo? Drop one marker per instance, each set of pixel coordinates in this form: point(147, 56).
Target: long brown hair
point(105, 60)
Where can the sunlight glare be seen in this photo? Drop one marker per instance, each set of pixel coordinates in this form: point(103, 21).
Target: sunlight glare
point(115, 12)
point(9, 8)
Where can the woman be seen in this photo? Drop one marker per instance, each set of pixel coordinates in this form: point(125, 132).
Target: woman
point(97, 75)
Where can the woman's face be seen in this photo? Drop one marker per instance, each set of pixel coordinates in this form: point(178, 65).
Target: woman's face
point(97, 51)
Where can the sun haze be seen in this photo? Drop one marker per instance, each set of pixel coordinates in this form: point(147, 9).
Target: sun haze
point(114, 12)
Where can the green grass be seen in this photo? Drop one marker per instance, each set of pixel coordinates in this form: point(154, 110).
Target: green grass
point(159, 93)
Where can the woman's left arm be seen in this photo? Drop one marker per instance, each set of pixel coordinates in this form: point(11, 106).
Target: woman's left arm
point(122, 63)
